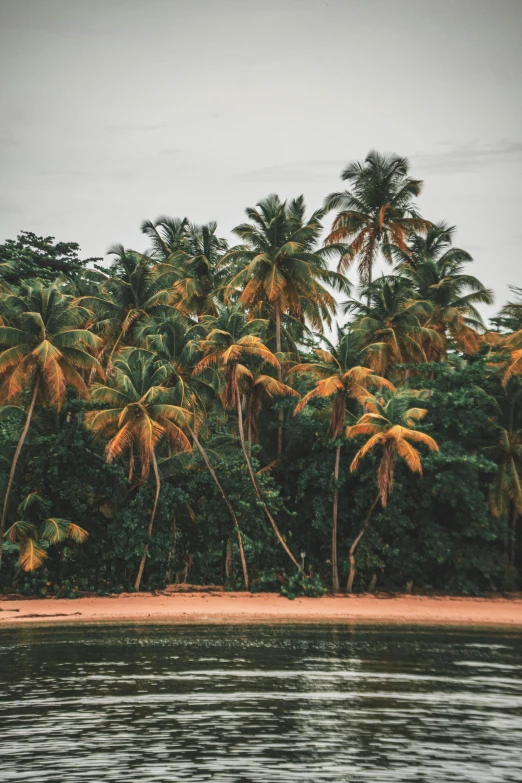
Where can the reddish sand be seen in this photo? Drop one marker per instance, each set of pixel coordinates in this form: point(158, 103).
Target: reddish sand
point(264, 608)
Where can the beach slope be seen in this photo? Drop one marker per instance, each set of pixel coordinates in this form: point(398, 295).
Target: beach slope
point(203, 608)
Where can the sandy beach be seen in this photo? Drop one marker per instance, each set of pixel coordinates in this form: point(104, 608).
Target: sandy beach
point(245, 608)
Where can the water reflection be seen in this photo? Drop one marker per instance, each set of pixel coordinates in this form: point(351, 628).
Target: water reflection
point(316, 704)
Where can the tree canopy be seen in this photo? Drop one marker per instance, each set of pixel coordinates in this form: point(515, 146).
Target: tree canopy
point(247, 415)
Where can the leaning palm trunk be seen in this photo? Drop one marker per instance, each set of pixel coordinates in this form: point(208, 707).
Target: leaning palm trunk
point(151, 523)
point(335, 571)
point(256, 485)
point(280, 379)
point(15, 461)
point(354, 545)
point(227, 501)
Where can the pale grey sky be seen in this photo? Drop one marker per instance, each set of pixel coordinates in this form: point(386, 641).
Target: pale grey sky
point(113, 111)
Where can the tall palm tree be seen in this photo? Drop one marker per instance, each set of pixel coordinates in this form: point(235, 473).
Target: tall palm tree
point(46, 349)
point(134, 290)
point(194, 253)
point(390, 423)
point(281, 265)
point(140, 417)
point(172, 346)
point(166, 234)
point(230, 340)
point(377, 212)
point(435, 269)
point(341, 378)
point(390, 325)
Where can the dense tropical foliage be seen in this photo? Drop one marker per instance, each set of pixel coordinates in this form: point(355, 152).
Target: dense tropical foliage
point(248, 416)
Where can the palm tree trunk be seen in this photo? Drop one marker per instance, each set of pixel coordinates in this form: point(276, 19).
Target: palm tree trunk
point(227, 501)
point(151, 523)
point(256, 485)
point(279, 378)
point(172, 552)
point(15, 461)
point(353, 547)
point(229, 561)
point(514, 519)
point(335, 571)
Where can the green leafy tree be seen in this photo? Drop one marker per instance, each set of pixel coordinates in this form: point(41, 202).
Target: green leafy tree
point(29, 257)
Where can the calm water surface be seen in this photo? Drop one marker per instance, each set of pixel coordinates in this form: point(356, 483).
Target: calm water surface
point(286, 703)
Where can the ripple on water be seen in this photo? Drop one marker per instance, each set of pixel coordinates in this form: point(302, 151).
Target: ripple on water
point(318, 704)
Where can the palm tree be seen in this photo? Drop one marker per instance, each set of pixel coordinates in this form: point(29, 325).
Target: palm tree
point(166, 234)
point(506, 452)
point(172, 347)
point(435, 270)
point(280, 265)
point(390, 325)
point(45, 351)
point(29, 531)
point(341, 378)
point(390, 423)
point(140, 417)
point(135, 290)
point(513, 343)
point(194, 254)
point(230, 339)
point(258, 387)
point(510, 316)
point(377, 212)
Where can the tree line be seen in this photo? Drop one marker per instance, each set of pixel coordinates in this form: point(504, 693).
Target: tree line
point(246, 415)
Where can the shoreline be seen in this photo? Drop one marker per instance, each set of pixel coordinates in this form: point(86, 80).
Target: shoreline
point(209, 608)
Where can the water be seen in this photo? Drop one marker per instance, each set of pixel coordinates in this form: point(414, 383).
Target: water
point(281, 704)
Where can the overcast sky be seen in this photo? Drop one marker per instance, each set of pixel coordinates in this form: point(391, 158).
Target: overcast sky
point(113, 111)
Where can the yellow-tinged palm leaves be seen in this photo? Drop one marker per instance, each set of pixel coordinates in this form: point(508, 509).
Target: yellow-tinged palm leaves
point(45, 349)
point(229, 339)
point(45, 340)
point(141, 418)
point(30, 533)
point(139, 413)
point(390, 423)
point(192, 254)
point(281, 266)
point(377, 213)
point(390, 325)
point(257, 387)
point(506, 451)
point(135, 290)
point(436, 270)
point(341, 377)
point(513, 343)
